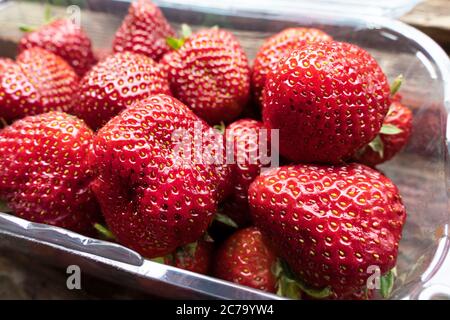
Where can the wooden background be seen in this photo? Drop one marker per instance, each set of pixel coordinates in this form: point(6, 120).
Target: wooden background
point(21, 278)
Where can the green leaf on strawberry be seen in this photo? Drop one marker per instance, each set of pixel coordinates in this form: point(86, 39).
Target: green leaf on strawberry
point(104, 232)
point(4, 207)
point(175, 43)
point(390, 129)
point(186, 31)
point(387, 283)
point(396, 84)
point(225, 220)
point(291, 287)
point(377, 145)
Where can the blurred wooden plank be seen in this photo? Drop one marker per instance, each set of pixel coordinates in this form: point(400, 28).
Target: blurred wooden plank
point(433, 18)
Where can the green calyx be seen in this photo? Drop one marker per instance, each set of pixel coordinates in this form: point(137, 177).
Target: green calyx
point(220, 127)
point(158, 260)
point(104, 232)
point(387, 283)
point(177, 43)
point(396, 84)
point(288, 285)
point(48, 18)
point(377, 145)
point(222, 218)
point(4, 207)
point(390, 129)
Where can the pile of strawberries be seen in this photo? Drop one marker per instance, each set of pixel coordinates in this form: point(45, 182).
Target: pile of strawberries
point(89, 145)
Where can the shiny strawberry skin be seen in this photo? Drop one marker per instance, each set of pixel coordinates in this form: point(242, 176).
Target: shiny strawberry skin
point(144, 30)
point(45, 175)
point(243, 136)
point(210, 74)
point(116, 82)
point(245, 258)
point(38, 82)
point(328, 99)
point(401, 117)
point(275, 48)
point(151, 202)
point(65, 39)
point(330, 223)
point(198, 261)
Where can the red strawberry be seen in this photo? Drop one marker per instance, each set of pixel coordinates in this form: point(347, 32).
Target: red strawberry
point(45, 175)
point(65, 39)
point(155, 200)
point(114, 84)
point(144, 30)
point(37, 83)
point(330, 223)
point(245, 137)
point(244, 258)
point(392, 138)
point(328, 99)
point(275, 48)
point(210, 74)
point(195, 257)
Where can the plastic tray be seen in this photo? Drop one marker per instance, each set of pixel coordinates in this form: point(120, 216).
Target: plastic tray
point(421, 171)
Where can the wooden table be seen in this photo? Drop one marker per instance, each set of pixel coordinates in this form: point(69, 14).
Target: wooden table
point(433, 18)
point(21, 278)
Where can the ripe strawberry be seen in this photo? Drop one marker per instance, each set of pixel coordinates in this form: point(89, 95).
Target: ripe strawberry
point(330, 223)
point(116, 82)
point(275, 48)
point(144, 30)
point(38, 82)
point(244, 137)
point(210, 74)
point(328, 99)
point(392, 138)
point(195, 257)
point(155, 200)
point(65, 39)
point(244, 258)
point(45, 175)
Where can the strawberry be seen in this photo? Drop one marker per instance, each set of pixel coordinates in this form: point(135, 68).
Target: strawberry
point(195, 257)
point(153, 198)
point(330, 223)
point(45, 175)
point(392, 138)
point(245, 258)
point(245, 138)
point(65, 39)
point(38, 82)
point(144, 30)
point(114, 83)
point(209, 72)
point(275, 48)
point(328, 99)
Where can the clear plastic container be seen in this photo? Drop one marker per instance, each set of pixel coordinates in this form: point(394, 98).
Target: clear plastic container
point(421, 171)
